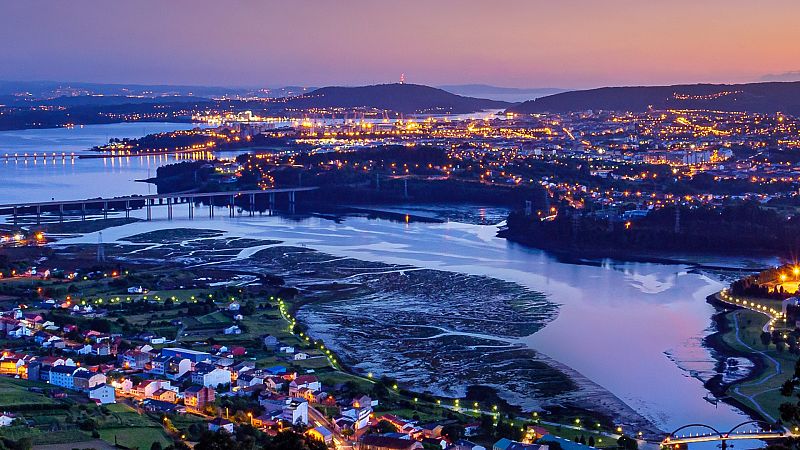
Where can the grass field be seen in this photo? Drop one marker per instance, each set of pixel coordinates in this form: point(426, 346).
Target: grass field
point(763, 393)
point(14, 394)
point(142, 438)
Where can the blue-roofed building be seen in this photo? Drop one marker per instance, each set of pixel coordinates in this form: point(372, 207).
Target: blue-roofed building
point(276, 370)
point(193, 355)
point(566, 444)
point(508, 444)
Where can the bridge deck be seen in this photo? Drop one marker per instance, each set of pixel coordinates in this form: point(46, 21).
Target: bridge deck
point(156, 197)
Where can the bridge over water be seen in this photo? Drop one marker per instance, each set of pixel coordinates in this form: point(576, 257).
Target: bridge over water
point(194, 200)
point(752, 429)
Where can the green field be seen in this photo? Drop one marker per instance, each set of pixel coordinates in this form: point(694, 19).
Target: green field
point(763, 393)
point(56, 421)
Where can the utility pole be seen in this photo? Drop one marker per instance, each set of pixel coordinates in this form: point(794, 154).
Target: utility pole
point(101, 253)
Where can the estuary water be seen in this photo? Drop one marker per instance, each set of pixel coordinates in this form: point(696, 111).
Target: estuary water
point(633, 328)
point(65, 178)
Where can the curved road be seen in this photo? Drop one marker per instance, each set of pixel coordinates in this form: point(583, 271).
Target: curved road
point(761, 381)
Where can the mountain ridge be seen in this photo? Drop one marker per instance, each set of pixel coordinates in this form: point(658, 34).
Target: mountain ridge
point(763, 97)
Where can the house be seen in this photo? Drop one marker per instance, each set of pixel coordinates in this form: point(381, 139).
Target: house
point(83, 379)
point(360, 416)
point(378, 442)
point(135, 359)
point(238, 350)
point(273, 383)
point(248, 379)
point(508, 444)
point(321, 434)
point(213, 378)
point(157, 406)
point(103, 394)
point(276, 370)
point(286, 349)
point(264, 421)
point(296, 411)
point(300, 356)
point(473, 429)
point(270, 342)
point(342, 423)
point(148, 388)
point(63, 376)
point(195, 398)
point(463, 444)
point(137, 290)
point(432, 430)
point(304, 381)
point(123, 386)
point(177, 367)
point(363, 400)
point(233, 329)
point(165, 395)
point(220, 424)
point(234, 306)
point(193, 355)
point(6, 419)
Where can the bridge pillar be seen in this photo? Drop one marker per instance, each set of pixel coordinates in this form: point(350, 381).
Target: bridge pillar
point(127, 209)
point(61, 213)
point(271, 202)
point(252, 205)
point(191, 209)
point(210, 207)
point(38, 215)
point(105, 210)
point(230, 207)
point(149, 204)
point(83, 211)
point(169, 208)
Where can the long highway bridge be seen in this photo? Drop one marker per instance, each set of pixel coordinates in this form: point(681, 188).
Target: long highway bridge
point(752, 429)
point(246, 199)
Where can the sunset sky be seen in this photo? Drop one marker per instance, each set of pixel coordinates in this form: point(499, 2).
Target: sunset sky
point(519, 43)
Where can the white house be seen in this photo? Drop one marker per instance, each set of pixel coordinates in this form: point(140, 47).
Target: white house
point(216, 377)
point(300, 355)
point(233, 329)
point(137, 290)
point(63, 376)
point(6, 419)
point(359, 415)
point(103, 394)
point(220, 424)
point(296, 411)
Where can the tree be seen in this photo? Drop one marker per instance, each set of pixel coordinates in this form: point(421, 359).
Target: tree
point(453, 432)
point(591, 441)
point(221, 440)
point(627, 443)
point(765, 338)
point(156, 446)
point(787, 388)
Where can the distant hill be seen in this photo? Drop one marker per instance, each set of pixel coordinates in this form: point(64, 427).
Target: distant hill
point(752, 97)
point(106, 100)
point(505, 94)
point(404, 98)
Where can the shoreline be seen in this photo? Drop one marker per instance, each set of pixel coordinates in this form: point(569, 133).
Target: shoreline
point(590, 255)
point(716, 343)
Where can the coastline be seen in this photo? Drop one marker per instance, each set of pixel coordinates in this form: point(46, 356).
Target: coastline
point(576, 255)
point(716, 343)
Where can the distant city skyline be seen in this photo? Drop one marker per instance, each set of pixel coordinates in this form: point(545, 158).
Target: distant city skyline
point(511, 43)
